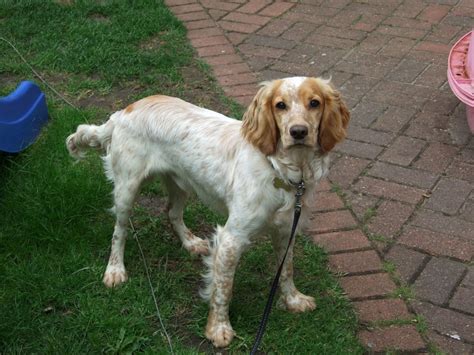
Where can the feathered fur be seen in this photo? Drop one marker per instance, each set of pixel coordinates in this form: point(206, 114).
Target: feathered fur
point(231, 166)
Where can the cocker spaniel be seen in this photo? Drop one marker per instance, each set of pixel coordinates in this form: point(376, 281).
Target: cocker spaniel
point(244, 169)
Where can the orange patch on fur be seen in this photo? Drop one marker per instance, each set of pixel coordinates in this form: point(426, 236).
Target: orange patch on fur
point(150, 100)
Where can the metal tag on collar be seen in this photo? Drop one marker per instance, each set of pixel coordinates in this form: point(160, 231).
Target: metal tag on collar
point(280, 184)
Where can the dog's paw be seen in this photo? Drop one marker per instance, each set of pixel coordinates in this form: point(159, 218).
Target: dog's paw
point(114, 276)
point(221, 334)
point(297, 302)
point(198, 246)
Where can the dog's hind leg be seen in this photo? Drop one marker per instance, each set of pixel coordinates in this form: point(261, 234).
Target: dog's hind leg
point(126, 189)
point(176, 201)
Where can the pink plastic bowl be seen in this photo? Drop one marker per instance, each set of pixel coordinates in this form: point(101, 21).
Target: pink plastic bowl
point(461, 74)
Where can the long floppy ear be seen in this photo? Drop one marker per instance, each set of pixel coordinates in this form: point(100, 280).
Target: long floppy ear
point(259, 126)
point(334, 121)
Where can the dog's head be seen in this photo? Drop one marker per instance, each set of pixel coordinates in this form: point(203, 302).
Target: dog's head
point(296, 111)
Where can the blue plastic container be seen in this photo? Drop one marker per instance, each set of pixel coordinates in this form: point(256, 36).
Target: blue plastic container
point(22, 114)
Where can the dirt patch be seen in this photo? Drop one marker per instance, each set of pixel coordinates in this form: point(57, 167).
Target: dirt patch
point(99, 18)
point(154, 205)
point(152, 43)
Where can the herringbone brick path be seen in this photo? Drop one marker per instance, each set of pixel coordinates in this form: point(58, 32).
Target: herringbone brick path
point(403, 212)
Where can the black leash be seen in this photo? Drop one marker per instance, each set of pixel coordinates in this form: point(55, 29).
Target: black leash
point(300, 188)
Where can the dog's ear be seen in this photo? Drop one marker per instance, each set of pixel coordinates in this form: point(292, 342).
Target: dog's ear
point(259, 126)
point(334, 121)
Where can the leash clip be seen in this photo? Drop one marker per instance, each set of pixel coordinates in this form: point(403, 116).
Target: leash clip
point(300, 189)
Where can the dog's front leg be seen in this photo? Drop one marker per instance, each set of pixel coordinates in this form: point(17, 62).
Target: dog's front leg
point(290, 299)
point(222, 262)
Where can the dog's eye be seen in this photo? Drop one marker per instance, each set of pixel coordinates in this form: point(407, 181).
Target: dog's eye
point(314, 103)
point(281, 105)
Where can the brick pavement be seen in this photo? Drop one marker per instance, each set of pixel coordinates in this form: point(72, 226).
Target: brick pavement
point(403, 216)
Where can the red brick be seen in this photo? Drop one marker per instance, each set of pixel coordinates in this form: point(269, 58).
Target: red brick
point(298, 31)
point(449, 195)
point(430, 126)
point(182, 9)
point(389, 190)
point(219, 5)
point(259, 51)
point(446, 321)
point(241, 90)
point(438, 244)
point(413, 33)
point(463, 300)
point(444, 224)
point(438, 280)
point(407, 23)
point(253, 6)
point(361, 134)
point(224, 59)
point(433, 47)
point(297, 17)
point(461, 171)
point(359, 149)
point(266, 41)
point(204, 32)
point(238, 27)
point(408, 262)
point(329, 41)
point(236, 38)
point(276, 9)
point(342, 241)
point(237, 79)
point(215, 50)
point(410, 8)
point(407, 176)
point(365, 286)
point(434, 13)
point(194, 25)
point(402, 338)
point(469, 278)
point(393, 119)
point(246, 18)
point(436, 157)
point(179, 2)
point(331, 221)
point(193, 16)
point(323, 185)
point(381, 310)
point(355, 262)
point(361, 205)
point(346, 169)
point(275, 28)
point(449, 345)
point(210, 41)
point(228, 69)
point(403, 151)
point(398, 47)
point(217, 14)
point(389, 219)
point(325, 201)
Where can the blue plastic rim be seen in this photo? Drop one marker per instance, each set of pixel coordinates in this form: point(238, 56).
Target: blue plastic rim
point(22, 115)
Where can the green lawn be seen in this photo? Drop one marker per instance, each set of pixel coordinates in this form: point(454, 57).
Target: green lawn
point(55, 229)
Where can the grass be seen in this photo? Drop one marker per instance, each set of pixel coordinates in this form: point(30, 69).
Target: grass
point(54, 225)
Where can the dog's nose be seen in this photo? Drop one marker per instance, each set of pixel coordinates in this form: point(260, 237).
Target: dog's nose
point(299, 131)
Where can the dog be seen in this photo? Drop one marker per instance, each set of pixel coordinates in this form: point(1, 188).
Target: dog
point(245, 169)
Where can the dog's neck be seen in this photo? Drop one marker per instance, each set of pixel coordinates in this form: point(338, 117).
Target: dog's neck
point(297, 163)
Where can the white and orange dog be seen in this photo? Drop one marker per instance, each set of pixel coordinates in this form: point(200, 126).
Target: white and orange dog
point(243, 169)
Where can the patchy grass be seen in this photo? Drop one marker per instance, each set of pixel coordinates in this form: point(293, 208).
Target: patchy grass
point(54, 225)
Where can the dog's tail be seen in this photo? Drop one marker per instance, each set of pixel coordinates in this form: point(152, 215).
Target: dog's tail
point(90, 136)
